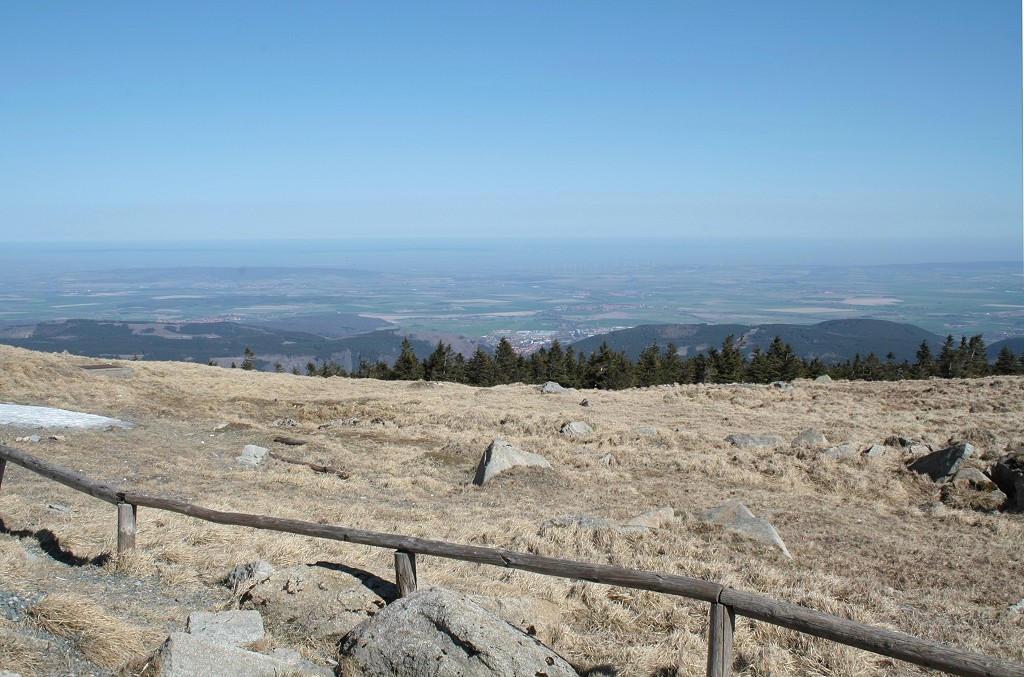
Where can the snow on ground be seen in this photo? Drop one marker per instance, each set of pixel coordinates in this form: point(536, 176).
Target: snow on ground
point(49, 417)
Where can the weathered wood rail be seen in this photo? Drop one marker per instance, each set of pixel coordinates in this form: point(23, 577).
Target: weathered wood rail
point(725, 603)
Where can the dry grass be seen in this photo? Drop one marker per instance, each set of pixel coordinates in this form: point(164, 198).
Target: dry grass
point(104, 639)
point(863, 546)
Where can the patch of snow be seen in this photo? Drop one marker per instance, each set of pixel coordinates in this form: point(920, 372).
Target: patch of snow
point(49, 417)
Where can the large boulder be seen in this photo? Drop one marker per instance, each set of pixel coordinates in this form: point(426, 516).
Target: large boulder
point(436, 633)
point(736, 517)
point(500, 456)
point(236, 627)
point(185, 655)
point(943, 464)
point(551, 388)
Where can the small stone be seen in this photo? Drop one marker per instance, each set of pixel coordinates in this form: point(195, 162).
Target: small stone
point(752, 441)
point(875, 450)
point(285, 423)
point(783, 386)
point(58, 438)
point(646, 431)
point(847, 450)
point(810, 438)
point(1018, 608)
point(653, 519)
point(585, 403)
point(608, 459)
point(500, 456)
point(58, 507)
point(253, 456)
point(576, 429)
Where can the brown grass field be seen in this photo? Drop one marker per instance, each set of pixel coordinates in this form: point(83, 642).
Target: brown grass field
point(867, 540)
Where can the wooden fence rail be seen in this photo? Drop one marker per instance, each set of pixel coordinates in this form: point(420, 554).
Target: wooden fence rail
point(725, 603)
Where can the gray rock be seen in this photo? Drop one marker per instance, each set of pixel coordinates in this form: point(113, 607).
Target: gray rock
point(58, 507)
point(646, 431)
point(184, 655)
point(285, 423)
point(1008, 474)
point(252, 456)
point(875, 450)
point(318, 601)
point(943, 464)
point(783, 386)
point(248, 574)
point(576, 429)
point(753, 441)
point(553, 388)
point(236, 627)
point(1018, 608)
point(974, 478)
point(735, 517)
point(810, 438)
point(585, 403)
point(435, 633)
point(608, 459)
point(844, 451)
point(824, 378)
point(500, 456)
point(653, 519)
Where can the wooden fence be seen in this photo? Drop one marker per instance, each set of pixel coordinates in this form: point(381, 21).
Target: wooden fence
point(725, 603)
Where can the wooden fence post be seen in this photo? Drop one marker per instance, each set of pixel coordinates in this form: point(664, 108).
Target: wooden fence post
point(405, 572)
point(721, 626)
point(3, 466)
point(126, 514)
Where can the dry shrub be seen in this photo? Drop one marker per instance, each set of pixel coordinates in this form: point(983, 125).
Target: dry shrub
point(102, 638)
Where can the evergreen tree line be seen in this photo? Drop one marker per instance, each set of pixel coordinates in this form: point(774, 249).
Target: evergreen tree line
point(609, 370)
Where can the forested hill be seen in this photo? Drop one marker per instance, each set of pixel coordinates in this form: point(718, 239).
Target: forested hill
point(831, 341)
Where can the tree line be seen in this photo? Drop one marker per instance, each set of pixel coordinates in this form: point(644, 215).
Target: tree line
point(610, 370)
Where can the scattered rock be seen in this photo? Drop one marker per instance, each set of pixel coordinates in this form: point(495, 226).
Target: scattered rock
point(735, 516)
point(844, 451)
point(783, 386)
point(58, 438)
point(653, 519)
point(184, 655)
point(29, 438)
point(943, 464)
point(576, 429)
point(248, 575)
point(58, 507)
point(965, 496)
point(290, 441)
point(434, 633)
point(646, 431)
point(500, 456)
point(1018, 608)
point(1008, 474)
point(236, 627)
point(810, 438)
point(252, 456)
point(608, 459)
point(752, 441)
point(285, 423)
point(585, 403)
point(824, 378)
point(553, 388)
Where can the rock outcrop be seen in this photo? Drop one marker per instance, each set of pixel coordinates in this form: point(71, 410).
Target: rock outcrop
point(746, 441)
point(577, 429)
point(435, 633)
point(942, 465)
point(252, 456)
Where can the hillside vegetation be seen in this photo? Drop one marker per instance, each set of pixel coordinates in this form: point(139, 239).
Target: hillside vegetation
point(869, 539)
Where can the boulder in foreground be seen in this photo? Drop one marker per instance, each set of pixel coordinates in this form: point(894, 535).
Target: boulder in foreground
point(500, 456)
point(436, 633)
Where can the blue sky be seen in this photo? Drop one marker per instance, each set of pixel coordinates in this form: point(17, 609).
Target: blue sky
point(792, 121)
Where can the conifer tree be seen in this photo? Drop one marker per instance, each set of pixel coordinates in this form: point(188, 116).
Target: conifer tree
point(249, 361)
point(648, 370)
point(925, 365)
point(1007, 363)
point(505, 362)
point(480, 369)
point(407, 366)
